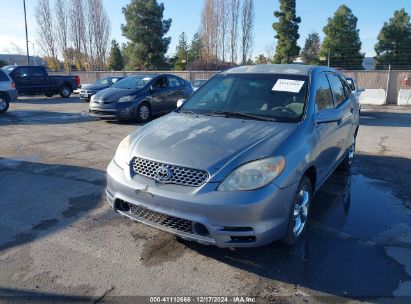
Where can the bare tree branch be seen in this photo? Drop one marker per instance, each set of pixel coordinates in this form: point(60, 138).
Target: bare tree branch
point(247, 26)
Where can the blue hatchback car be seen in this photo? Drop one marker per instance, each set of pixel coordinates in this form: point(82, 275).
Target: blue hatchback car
point(238, 162)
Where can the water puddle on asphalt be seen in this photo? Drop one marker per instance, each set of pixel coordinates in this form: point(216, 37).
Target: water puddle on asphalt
point(343, 252)
point(358, 206)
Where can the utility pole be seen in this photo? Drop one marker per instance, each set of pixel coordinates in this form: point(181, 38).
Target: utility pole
point(27, 36)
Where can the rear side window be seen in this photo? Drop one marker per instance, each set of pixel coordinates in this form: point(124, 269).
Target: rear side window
point(174, 82)
point(337, 89)
point(323, 94)
point(3, 76)
point(38, 72)
point(347, 88)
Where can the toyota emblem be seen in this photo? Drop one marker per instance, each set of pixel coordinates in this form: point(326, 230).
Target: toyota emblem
point(163, 174)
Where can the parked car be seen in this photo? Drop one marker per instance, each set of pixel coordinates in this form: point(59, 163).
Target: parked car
point(8, 91)
point(238, 163)
point(356, 90)
point(99, 85)
point(198, 83)
point(33, 80)
point(139, 97)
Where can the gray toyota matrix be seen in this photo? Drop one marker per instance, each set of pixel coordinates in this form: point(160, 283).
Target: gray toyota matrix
point(238, 162)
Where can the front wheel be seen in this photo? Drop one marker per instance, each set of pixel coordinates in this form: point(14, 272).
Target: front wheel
point(4, 103)
point(65, 91)
point(299, 212)
point(143, 112)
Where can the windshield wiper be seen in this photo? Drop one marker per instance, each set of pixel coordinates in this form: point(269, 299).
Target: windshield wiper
point(243, 115)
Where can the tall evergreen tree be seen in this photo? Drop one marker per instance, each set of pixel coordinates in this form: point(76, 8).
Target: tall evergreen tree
point(394, 42)
point(342, 40)
point(287, 32)
point(145, 28)
point(181, 53)
point(195, 48)
point(311, 51)
point(116, 60)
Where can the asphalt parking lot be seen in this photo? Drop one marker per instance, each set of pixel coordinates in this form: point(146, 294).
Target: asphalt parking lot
point(59, 238)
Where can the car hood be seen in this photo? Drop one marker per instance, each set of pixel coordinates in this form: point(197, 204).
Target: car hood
point(207, 142)
point(110, 95)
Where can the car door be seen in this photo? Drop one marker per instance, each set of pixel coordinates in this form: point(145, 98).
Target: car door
point(327, 149)
point(345, 108)
point(159, 95)
point(176, 92)
point(21, 77)
point(39, 80)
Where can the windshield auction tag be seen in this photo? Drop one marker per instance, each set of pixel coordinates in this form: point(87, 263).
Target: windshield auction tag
point(288, 85)
point(147, 79)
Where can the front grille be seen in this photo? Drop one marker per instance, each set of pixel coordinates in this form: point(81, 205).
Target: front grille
point(162, 219)
point(177, 175)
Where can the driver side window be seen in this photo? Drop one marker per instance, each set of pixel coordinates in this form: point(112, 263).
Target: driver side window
point(160, 84)
point(323, 95)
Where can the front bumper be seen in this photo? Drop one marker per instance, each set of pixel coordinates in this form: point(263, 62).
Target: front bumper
point(112, 112)
point(225, 219)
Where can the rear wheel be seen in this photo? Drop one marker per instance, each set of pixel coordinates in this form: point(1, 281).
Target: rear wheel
point(299, 212)
point(4, 103)
point(143, 112)
point(65, 91)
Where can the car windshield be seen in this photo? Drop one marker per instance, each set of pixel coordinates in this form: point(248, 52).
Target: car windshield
point(104, 82)
point(8, 69)
point(133, 82)
point(256, 96)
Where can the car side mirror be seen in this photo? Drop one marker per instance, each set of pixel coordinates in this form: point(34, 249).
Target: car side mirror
point(180, 102)
point(328, 116)
point(359, 90)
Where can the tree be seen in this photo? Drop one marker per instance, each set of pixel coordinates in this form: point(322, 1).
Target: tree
point(77, 31)
point(247, 27)
point(234, 16)
point(146, 28)
point(181, 57)
point(196, 47)
point(45, 26)
point(311, 51)
point(261, 59)
point(342, 40)
point(287, 32)
point(394, 42)
point(116, 60)
point(62, 27)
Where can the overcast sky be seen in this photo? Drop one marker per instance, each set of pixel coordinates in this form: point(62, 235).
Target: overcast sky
point(186, 17)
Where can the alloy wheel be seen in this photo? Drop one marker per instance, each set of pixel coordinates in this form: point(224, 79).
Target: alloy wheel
point(144, 112)
point(3, 104)
point(301, 208)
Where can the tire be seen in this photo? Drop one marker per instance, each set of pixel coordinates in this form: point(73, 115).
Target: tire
point(348, 159)
point(143, 112)
point(4, 103)
point(65, 91)
point(299, 211)
point(49, 94)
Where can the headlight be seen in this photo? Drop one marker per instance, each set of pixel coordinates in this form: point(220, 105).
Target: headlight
point(122, 153)
point(253, 175)
point(126, 98)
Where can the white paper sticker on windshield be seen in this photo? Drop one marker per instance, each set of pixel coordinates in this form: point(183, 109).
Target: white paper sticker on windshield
point(147, 78)
point(288, 85)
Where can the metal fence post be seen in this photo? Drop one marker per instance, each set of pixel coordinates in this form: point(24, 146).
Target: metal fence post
point(388, 84)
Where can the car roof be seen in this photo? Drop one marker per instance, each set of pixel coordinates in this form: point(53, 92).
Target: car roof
point(292, 69)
